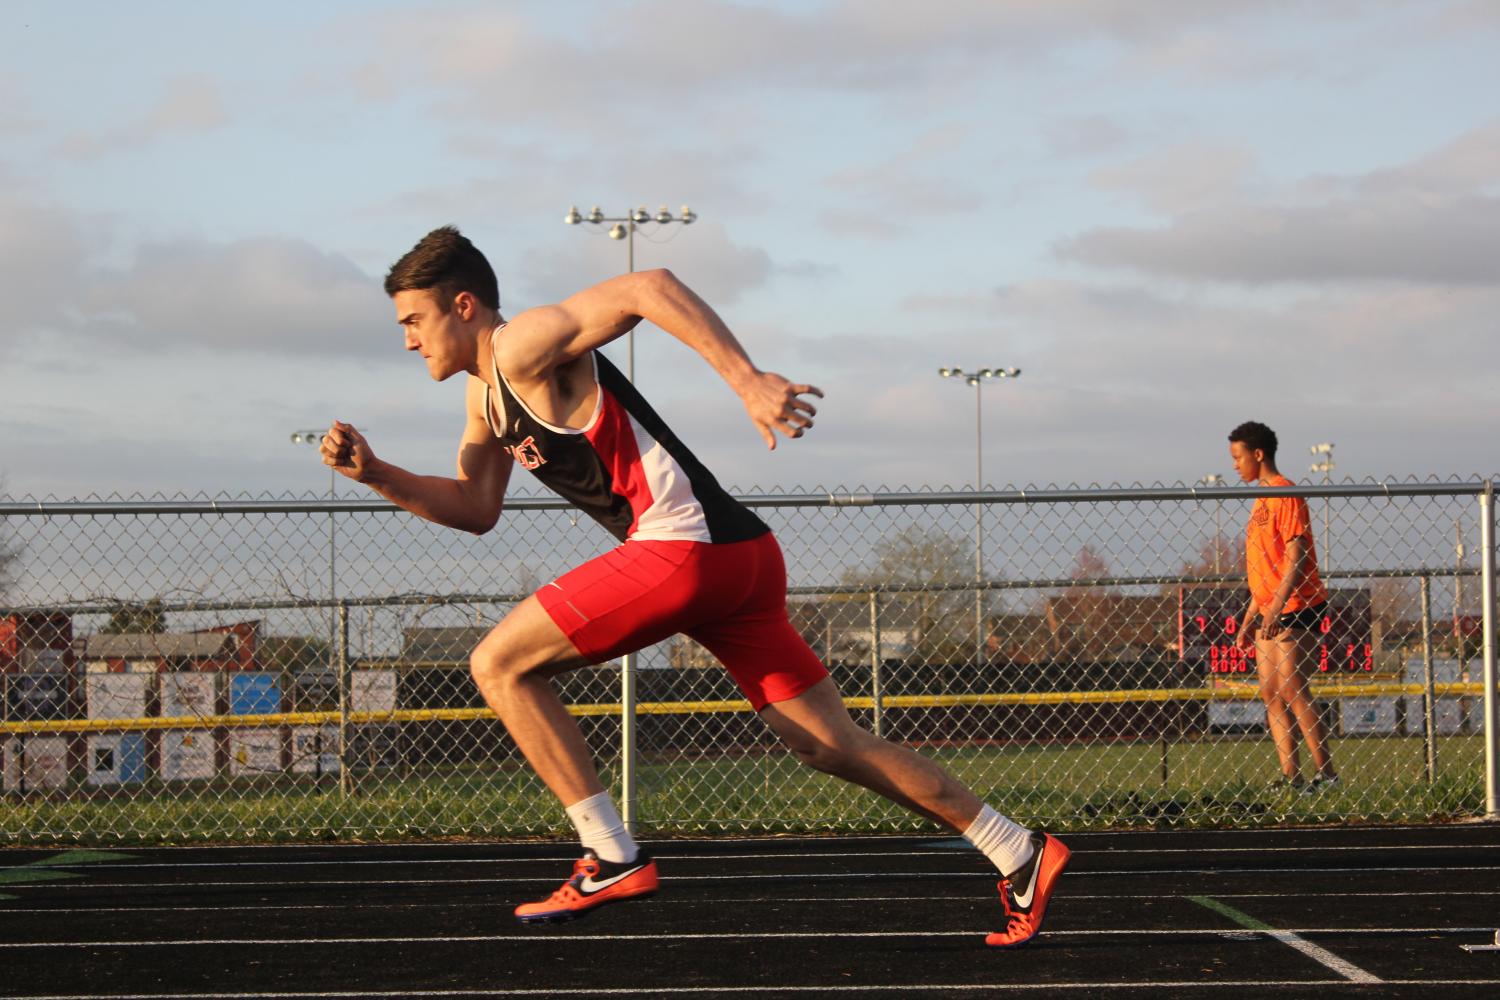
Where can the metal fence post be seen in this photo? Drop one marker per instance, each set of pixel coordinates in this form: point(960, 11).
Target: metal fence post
point(877, 693)
point(346, 783)
point(628, 733)
point(1491, 724)
point(1429, 713)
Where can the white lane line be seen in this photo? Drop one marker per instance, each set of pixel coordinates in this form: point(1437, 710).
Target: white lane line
point(826, 855)
point(1291, 939)
point(1170, 987)
point(707, 900)
point(747, 876)
point(539, 938)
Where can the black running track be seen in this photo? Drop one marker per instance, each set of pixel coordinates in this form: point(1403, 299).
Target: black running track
point(1390, 912)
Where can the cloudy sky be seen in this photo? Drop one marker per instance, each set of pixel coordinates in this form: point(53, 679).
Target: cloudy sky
point(1173, 216)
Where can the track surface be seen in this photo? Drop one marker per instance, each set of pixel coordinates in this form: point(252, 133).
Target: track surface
point(1291, 913)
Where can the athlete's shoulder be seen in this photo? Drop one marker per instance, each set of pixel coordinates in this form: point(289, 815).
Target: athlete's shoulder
point(526, 346)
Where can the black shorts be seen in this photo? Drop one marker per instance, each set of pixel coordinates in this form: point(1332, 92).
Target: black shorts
point(1303, 619)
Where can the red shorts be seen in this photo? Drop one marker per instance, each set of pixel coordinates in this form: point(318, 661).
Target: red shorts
point(731, 598)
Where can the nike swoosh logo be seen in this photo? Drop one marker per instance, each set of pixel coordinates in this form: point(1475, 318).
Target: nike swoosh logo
point(1023, 900)
point(588, 885)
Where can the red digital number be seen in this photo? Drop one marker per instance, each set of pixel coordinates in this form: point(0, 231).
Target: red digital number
point(1227, 660)
point(1323, 659)
point(1202, 623)
point(1230, 625)
point(1325, 624)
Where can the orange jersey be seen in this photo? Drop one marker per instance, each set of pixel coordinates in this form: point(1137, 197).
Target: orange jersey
point(1274, 522)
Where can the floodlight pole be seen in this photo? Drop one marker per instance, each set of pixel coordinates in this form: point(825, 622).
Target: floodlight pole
point(1491, 702)
point(977, 380)
point(1214, 479)
point(1326, 467)
point(315, 437)
point(624, 229)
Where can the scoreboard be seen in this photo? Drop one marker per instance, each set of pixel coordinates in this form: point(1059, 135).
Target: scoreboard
point(1209, 622)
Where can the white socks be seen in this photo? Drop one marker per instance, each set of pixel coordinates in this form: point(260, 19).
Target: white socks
point(599, 826)
point(1007, 844)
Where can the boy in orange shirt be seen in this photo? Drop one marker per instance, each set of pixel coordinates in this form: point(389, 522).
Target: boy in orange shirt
point(1287, 601)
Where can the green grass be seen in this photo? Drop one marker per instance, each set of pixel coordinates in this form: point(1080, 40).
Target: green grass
point(1225, 782)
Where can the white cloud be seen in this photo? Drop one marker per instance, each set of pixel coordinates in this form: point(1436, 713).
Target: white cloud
point(267, 296)
point(704, 255)
point(1184, 178)
point(505, 67)
point(1085, 135)
point(16, 114)
point(912, 182)
point(1454, 240)
point(1431, 220)
point(187, 105)
point(257, 296)
point(43, 250)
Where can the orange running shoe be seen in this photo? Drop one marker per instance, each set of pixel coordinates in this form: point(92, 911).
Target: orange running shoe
point(594, 883)
point(1027, 892)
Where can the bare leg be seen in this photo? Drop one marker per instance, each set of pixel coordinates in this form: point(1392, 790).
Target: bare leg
point(816, 726)
point(1299, 699)
point(1268, 657)
point(513, 667)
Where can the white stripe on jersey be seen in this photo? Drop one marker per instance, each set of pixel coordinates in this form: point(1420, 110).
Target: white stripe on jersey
point(675, 513)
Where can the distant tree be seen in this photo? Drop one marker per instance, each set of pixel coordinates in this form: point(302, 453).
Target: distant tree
point(10, 554)
point(1392, 600)
point(148, 617)
point(942, 621)
point(1081, 619)
point(1088, 564)
point(292, 653)
point(1218, 555)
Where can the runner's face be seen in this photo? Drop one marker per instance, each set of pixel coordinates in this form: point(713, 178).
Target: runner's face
point(1246, 462)
point(432, 333)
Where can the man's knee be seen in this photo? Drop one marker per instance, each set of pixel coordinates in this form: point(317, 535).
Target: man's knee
point(830, 752)
point(829, 758)
point(493, 665)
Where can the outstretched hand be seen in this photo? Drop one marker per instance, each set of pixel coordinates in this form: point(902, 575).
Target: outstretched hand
point(346, 451)
point(775, 404)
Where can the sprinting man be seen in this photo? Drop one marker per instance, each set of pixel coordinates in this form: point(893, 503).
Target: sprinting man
point(691, 559)
point(1287, 601)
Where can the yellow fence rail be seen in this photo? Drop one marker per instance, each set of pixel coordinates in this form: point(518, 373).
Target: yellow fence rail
point(1238, 692)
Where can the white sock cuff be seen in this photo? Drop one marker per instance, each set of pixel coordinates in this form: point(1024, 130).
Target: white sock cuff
point(599, 826)
point(1005, 842)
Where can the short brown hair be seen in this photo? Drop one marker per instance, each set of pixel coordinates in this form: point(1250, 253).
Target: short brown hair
point(445, 263)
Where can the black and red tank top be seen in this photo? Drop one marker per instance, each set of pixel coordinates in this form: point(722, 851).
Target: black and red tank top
point(625, 468)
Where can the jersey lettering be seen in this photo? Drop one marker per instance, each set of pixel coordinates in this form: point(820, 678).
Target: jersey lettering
point(527, 454)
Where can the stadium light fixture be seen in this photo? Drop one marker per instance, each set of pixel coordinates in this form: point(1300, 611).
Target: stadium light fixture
point(623, 228)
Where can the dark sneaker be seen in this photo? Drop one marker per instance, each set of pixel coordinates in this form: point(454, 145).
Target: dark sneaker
point(594, 883)
point(1321, 784)
point(1285, 784)
point(1027, 892)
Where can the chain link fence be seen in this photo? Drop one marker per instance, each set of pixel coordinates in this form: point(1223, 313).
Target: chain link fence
point(242, 670)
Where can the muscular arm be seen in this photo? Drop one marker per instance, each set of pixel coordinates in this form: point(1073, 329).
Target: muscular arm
point(539, 340)
point(1297, 552)
point(471, 501)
